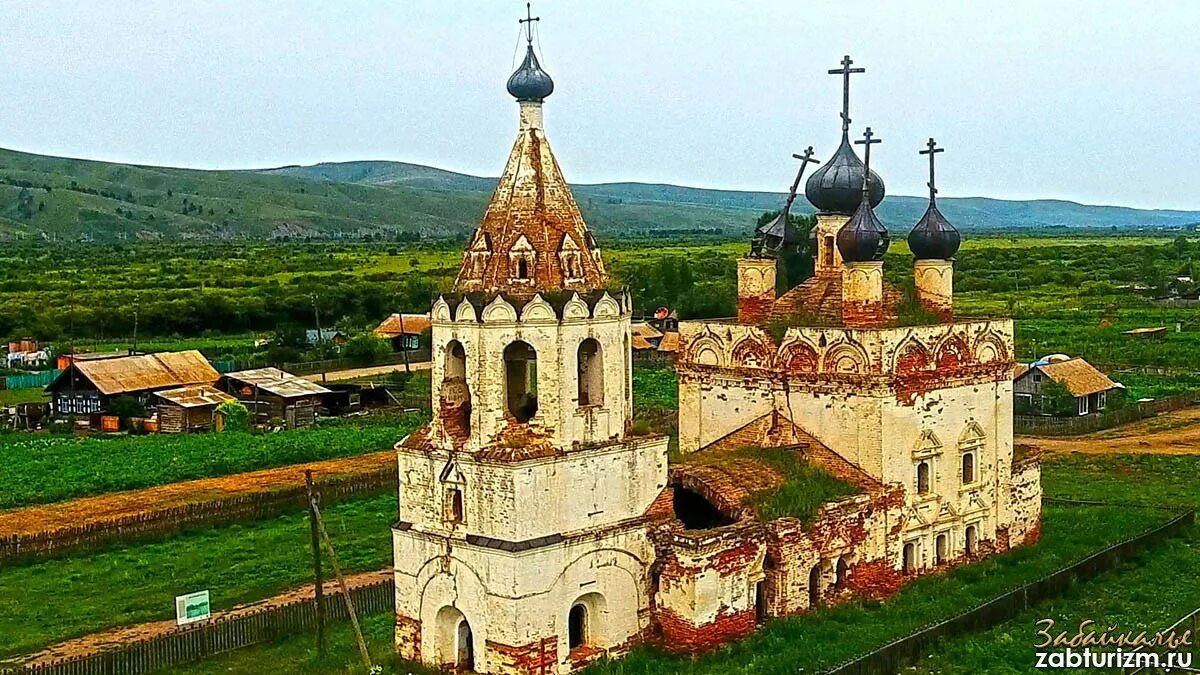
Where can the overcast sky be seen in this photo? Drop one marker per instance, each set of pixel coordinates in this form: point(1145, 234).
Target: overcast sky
point(1094, 102)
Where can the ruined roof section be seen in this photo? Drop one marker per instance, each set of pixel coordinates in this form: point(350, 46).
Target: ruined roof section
point(1078, 376)
point(148, 371)
point(818, 302)
point(275, 381)
point(195, 397)
point(532, 237)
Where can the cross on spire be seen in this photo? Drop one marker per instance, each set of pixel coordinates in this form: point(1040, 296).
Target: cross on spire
point(846, 71)
point(931, 150)
point(805, 160)
point(868, 140)
point(527, 22)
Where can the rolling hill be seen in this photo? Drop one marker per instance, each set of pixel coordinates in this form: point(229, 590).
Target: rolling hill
point(55, 198)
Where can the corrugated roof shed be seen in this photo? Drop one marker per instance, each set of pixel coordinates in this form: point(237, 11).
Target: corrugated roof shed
point(194, 397)
point(147, 372)
point(645, 330)
point(639, 343)
point(1078, 376)
point(277, 382)
point(669, 343)
point(414, 324)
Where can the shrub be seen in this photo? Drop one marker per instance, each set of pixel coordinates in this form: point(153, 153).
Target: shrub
point(236, 415)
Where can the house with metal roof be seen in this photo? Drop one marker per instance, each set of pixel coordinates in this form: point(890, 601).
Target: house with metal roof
point(188, 409)
point(271, 393)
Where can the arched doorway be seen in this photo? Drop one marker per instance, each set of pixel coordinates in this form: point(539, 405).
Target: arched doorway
point(760, 600)
point(455, 396)
point(455, 640)
point(940, 547)
point(814, 586)
point(520, 380)
point(840, 572)
point(591, 373)
point(910, 558)
point(971, 539)
point(577, 627)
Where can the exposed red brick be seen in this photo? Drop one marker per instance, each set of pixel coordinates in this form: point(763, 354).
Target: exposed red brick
point(876, 579)
point(755, 309)
point(536, 658)
point(408, 638)
point(680, 635)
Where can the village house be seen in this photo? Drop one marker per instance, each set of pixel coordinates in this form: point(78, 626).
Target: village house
point(333, 336)
point(87, 386)
point(403, 331)
point(538, 533)
point(274, 394)
point(1089, 387)
point(188, 409)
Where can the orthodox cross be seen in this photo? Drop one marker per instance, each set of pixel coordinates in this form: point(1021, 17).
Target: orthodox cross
point(845, 71)
point(931, 151)
point(805, 160)
point(868, 140)
point(528, 20)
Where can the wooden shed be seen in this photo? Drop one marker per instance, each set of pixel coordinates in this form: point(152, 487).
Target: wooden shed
point(87, 386)
point(271, 393)
point(188, 408)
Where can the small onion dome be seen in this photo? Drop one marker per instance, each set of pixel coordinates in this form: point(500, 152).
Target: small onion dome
point(863, 238)
point(933, 237)
point(836, 187)
point(779, 234)
point(530, 82)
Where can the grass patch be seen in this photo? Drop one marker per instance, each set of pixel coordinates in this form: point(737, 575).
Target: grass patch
point(38, 469)
point(44, 603)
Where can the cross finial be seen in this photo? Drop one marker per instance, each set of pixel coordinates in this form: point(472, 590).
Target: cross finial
point(528, 22)
point(868, 140)
point(805, 160)
point(931, 150)
point(845, 71)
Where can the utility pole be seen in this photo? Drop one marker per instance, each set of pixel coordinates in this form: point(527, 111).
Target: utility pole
point(403, 343)
point(341, 580)
point(135, 324)
point(318, 580)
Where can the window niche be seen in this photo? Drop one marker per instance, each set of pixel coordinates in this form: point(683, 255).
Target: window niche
point(520, 380)
point(590, 373)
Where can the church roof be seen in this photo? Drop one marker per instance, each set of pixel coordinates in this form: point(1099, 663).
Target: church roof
point(532, 237)
point(836, 187)
point(529, 82)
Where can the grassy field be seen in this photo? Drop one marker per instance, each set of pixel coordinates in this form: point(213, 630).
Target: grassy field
point(809, 643)
point(46, 468)
point(50, 601)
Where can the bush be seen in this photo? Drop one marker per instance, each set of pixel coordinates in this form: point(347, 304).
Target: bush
point(236, 415)
point(126, 407)
point(366, 349)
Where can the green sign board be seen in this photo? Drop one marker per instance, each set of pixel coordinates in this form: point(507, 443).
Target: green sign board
point(192, 607)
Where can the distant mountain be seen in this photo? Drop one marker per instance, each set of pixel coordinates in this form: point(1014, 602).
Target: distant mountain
point(53, 198)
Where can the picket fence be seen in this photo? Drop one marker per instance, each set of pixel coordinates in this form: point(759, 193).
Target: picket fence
point(896, 656)
point(193, 642)
point(29, 381)
point(1032, 425)
point(157, 522)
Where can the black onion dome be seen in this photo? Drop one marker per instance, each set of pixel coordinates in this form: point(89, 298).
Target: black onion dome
point(530, 82)
point(933, 237)
point(778, 234)
point(836, 187)
point(863, 238)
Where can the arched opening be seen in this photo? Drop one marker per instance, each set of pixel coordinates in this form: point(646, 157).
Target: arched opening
point(760, 600)
point(923, 478)
point(840, 572)
point(814, 586)
point(971, 540)
point(520, 380)
point(910, 558)
point(456, 505)
point(455, 397)
point(828, 249)
point(628, 376)
point(591, 373)
point(455, 640)
point(940, 547)
point(577, 627)
point(522, 268)
point(696, 512)
point(968, 468)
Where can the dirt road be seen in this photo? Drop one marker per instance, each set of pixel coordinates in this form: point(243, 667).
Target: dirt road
point(355, 373)
point(1173, 433)
point(112, 507)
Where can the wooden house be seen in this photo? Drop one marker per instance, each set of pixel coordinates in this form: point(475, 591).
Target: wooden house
point(270, 393)
point(333, 336)
point(403, 330)
point(188, 408)
point(88, 386)
point(1088, 386)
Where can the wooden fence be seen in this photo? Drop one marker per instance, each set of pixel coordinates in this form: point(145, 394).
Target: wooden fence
point(898, 655)
point(1191, 623)
point(1033, 425)
point(157, 522)
point(193, 642)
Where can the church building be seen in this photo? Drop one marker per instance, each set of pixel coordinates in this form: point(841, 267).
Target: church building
point(537, 533)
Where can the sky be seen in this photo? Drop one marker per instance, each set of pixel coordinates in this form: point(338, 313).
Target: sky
point(1094, 102)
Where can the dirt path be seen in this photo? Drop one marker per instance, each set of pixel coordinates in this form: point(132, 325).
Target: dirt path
point(355, 373)
point(1173, 433)
point(110, 507)
point(115, 637)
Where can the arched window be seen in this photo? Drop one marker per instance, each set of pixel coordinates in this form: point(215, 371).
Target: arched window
point(577, 626)
point(760, 600)
point(455, 397)
point(971, 539)
point(591, 373)
point(520, 380)
point(940, 547)
point(456, 361)
point(522, 268)
point(968, 468)
point(456, 505)
point(910, 558)
point(466, 648)
point(923, 478)
point(840, 572)
point(814, 586)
